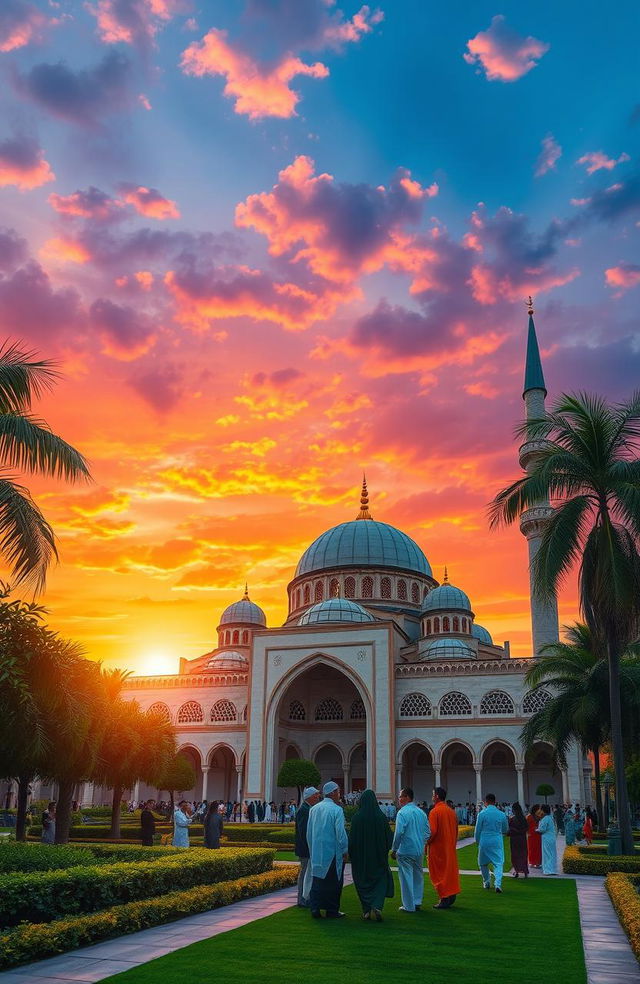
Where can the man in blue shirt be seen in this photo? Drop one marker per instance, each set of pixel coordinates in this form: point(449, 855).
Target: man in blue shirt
point(412, 833)
point(491, 826)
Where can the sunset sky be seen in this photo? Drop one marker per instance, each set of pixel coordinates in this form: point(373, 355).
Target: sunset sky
point(274, 243)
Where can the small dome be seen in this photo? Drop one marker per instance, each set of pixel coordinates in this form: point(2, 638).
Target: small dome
point(335, 610)
point(479, 632)
point(445, 598)
point(448, 649)
point(244, 612)
point(228, 659)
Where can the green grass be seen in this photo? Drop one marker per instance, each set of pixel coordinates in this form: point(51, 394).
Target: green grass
point(461, 944)
point(468, 856)
point(286, 856)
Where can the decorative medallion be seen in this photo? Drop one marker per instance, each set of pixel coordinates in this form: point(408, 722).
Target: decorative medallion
point(277, 659)
point(362, 655)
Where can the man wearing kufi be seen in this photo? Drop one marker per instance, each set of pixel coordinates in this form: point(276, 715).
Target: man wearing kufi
point(328, 842)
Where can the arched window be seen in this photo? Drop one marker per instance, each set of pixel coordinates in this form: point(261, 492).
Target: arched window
point(436, 625)
point(245, 638)
point(307, 595)
point(358, 712)
point(236, 637)
point(464, 625)
point(456, 623)
point(415, 594)
point(428, 626)
point(296, 598)
point(190, 713)
point(402, 590)
point(385, 588)
point(297, 711)
point(454, 704)
point(349, 587)
point(160, 709)
point(415, 706)
point(318, 591)
point(334, 587)
point(367, 586)
point(329, 710)
point(535, 701)
point(245, 713)
point(446, 625)
point(496, 702)
point(224, 710)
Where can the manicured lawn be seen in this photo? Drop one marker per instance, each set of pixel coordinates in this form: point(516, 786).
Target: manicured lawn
point(530, 919)
point(468, 856)
point(286, 856)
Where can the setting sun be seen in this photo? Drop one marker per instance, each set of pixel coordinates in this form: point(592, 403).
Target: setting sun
point(155, 662)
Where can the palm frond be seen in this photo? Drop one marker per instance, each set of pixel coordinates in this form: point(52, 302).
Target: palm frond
point(28, 443)
point(26, 539)
point(560, 546)
point(23, 377)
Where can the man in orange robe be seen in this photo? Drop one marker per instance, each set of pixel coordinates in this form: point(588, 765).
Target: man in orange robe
point(442, 846)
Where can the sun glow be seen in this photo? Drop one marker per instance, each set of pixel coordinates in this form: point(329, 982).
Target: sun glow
point(156, 662)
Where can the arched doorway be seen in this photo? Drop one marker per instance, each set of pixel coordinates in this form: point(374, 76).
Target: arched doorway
point(357, 772)
point(499, 772)
point(221, 779)
point(418, 771)
point(320, 713)
point(192, 755)
point(540, 768)
point(457, 773)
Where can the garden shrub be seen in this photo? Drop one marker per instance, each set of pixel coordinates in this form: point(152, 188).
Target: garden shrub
point(47, 895)
point(624, 892)
point(33, 942)
point(465, 831)
point(15, 856)
point(127, 831)
point(593, 861)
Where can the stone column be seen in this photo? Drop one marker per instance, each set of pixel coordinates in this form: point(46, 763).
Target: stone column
point(205, 777)
point(398, 778)
point(477, 766)
point(346, 779)
point(239, 771)
point(436, 769)
point(520, 778)
point(565, 786)
point(135, 796)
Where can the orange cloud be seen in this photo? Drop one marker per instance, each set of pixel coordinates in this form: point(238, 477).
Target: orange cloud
point(149, 202)
point(21, 24)
point(65, 250)
point(258, 92)
point(504, 55)
point(488, 286)
point(22, 164)
point(624, 276)
point(91, 204)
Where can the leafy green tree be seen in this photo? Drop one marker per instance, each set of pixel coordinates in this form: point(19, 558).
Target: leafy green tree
point(298, 773)
point(135, 745)
point(27, 444)
point(178, 774)
point(545, 789)
point(579, 710)
point(587, 466)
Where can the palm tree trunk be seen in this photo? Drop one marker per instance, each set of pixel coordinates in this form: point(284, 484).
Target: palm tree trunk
point(63, 810)
point(21, 818)
point(598, 782)
point(116, 812)
point(622, 799)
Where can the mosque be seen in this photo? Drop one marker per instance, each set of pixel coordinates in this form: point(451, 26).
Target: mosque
point(380, 675)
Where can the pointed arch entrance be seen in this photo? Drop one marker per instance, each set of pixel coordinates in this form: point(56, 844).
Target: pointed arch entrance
point(418, 771)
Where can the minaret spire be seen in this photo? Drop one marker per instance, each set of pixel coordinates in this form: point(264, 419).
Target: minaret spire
point(533, 374)
point(364, 501)
point(446, 575)
point(245, 596)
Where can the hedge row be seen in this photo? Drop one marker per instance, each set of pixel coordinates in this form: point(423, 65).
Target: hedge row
point(584, 861)
point(624, 892)
point(43, 896)
point(33, 942)
point(250, 835)
point(465, 831)
point(16, 856)
point(127, 831)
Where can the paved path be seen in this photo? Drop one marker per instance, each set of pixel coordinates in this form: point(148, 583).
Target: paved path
point(609, 957)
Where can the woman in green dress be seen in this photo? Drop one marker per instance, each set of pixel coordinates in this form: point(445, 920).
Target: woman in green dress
point(370, 841)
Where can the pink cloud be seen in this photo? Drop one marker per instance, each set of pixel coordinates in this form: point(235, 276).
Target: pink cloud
point(90, 204)
point(489, 285)
point(21, 23)
point(504, 55)
point(549, 155)
point(149, 202)
point(65, 250)
point(623, 276)
point(133, 21)
point(22, 164)
point(595, 160)
point(258, 91)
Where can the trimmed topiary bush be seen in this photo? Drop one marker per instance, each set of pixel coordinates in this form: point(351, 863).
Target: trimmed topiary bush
point(33, 942)
point(19, 857)
point(624, 892)
point(594, 861)
point(43, 896)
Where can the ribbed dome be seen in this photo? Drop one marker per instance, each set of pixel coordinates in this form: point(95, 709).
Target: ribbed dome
point(244, 612)
point(363, 543)
point(479, 632)
point(335, 610)
point(446, 597)
point(229, 659)
point(448, 649)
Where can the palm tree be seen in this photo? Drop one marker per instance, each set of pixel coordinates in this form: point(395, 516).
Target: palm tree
point(587, 466)
point(27, 444)
point(578, 677)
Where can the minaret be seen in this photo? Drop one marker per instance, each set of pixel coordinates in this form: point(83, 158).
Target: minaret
point(544, 615)
point(364, 501)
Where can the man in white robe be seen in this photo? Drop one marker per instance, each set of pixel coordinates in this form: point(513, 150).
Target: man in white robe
point(328, 844)
point(412, 833)
point(491, 827)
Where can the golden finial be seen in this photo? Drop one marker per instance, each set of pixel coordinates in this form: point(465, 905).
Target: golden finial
point(446, 575)
point(364, 501)
point(530, 305)
point(245, 597)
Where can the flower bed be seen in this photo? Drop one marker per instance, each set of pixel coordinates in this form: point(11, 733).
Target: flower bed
point(465, 831)
point(624, 892)
point(32, 942)
point(593, 861)
point(43, 896)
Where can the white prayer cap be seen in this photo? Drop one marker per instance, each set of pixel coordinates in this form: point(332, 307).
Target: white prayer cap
point(330, 787)
point(309, 791)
